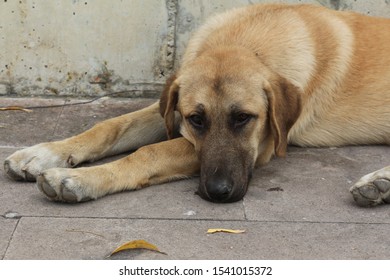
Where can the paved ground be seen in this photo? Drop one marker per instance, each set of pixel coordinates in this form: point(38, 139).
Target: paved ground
point(296, 208)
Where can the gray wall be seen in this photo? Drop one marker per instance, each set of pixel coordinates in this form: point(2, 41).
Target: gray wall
point(91, 47)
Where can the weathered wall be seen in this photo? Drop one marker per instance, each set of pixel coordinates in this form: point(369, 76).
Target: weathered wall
point(91, 47)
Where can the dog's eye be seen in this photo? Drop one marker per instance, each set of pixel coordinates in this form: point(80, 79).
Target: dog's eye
point(196, 121)
point(242, 119)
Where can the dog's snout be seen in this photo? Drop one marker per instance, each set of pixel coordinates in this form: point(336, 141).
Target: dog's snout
point(219, 188)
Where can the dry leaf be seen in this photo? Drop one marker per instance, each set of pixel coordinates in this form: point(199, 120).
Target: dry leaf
point(214, 230)
point(15, 108)
point(136, 244)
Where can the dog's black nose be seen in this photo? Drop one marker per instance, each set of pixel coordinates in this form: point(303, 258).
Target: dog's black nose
point(218, 188)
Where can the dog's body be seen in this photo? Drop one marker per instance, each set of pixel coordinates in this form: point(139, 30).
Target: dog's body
point(251, 81)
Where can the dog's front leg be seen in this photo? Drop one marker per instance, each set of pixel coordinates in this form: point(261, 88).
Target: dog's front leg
point(152, 164)
point(113, 136)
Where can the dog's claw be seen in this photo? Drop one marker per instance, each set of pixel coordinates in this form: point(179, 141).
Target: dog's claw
point(45, 188)
point(11, 173)
point(383, 185)
point(28, 176)
point(68, 196)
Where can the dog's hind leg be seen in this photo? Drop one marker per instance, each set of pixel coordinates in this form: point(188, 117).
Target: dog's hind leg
point(149, 165)
point(110, 137)
point(373, 189)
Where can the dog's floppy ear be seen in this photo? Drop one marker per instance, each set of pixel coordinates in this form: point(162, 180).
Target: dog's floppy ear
point(284, 108)
point(168, 101)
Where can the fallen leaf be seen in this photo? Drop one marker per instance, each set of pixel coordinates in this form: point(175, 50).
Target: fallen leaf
point(136, 244)
point(214, 230)
point(15, 108)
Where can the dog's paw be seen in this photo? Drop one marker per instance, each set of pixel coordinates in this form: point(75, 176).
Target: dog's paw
point(64, 184)
point(27, 164)
point(373, 189)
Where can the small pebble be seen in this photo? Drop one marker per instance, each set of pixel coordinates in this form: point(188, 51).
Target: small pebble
point(190, 213)
point(12, 215)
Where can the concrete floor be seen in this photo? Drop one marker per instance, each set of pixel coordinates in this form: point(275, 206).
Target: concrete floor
point(296, 208)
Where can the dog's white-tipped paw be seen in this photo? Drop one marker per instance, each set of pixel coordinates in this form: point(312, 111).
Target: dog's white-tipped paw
point(373, 189)
point(27, 164)
point(62, 184)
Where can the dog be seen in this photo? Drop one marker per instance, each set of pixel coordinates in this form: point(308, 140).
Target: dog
point(252, 81)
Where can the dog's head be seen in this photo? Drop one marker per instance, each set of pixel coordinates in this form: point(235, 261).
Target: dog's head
point(235, 112)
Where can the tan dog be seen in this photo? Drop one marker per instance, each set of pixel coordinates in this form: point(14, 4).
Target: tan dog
point(252, 80)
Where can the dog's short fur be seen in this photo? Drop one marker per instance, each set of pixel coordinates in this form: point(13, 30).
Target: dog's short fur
point(252, 80)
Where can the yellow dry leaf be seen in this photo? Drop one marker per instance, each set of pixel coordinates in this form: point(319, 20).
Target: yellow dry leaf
point(137, 244)
point(214, 230)
point(17, 108)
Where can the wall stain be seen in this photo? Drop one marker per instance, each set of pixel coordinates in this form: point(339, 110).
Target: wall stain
point(165, 53)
